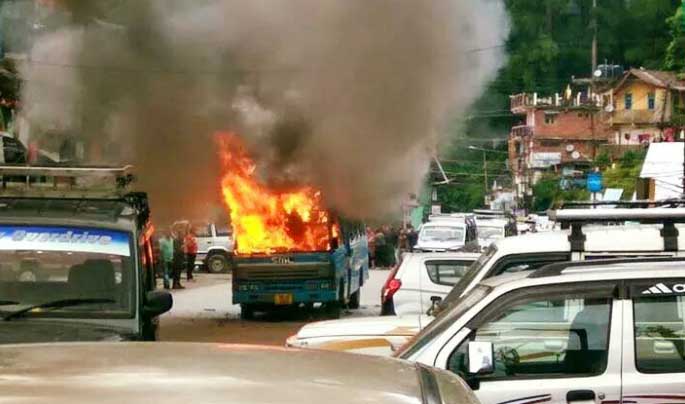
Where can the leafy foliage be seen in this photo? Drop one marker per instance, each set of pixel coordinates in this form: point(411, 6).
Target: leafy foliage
point(625, 173)
point(550, 42)
point(675, 52)
point(548, 194)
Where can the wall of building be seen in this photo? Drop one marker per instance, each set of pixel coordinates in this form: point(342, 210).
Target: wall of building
point(572, 123)
point(640, 91)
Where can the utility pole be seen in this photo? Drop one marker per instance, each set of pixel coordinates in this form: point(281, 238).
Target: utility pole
point(593, 77)
point(485, 175)
point(594, 38)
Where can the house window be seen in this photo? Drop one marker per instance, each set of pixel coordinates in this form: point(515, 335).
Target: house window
point(629, 101)
point(651, 101)
point(550, 119)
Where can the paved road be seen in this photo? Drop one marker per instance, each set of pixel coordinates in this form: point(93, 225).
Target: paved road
point(203, 313)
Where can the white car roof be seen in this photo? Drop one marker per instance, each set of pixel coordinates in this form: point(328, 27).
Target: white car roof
point(591, 271)
point(599, 238)
point(441, 255)
point(491, 223)
point(444, 223)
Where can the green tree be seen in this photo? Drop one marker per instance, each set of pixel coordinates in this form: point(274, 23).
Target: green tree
point(675, 52)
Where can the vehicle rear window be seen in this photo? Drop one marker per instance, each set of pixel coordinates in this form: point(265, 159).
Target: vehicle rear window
point(446, 272)
point(223, 231)
point(659, 330)
point(468, 277)
point(202, 230)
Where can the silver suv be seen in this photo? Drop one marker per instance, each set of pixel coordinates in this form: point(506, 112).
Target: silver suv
point(214, 244)
point(596, 331)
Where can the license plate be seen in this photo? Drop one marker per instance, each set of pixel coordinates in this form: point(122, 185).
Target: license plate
point(283, 299)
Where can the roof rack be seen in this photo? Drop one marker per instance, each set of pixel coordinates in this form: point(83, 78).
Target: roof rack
point(575, 219)
point(558, 268)
point(67, 182)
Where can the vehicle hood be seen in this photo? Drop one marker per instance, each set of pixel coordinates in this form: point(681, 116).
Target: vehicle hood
point(37, 331)
point(365, 326)
point(199, 373)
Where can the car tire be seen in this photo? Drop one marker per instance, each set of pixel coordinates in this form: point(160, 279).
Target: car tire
point(217, 263)
point(246, 311)
point(388, 308)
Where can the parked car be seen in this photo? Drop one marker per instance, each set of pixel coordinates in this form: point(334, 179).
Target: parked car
point(217, 373)
point(594, 331)
point(511, 255)
point(411, 289)
point(215, 244)
point(420, 278)
point(595, 235)
point(447, 233)
point(491, 230)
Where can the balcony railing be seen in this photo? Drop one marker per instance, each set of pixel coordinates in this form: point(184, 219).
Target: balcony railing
point(520, 102)
point(521, 131)
point(628, 116)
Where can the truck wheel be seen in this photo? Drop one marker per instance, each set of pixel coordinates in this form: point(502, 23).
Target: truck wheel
point(246, 311)
point(334, 309)
point(217, 263)
point(354, 300)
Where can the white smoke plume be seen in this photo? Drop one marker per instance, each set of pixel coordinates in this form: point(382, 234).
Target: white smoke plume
point(351, 96)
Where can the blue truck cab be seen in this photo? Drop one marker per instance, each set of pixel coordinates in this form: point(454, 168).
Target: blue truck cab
point(333, 278)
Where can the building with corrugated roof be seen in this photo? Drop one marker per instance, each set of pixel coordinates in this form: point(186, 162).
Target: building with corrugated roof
point(646, 106)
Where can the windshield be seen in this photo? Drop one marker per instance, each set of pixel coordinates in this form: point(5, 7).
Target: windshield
point(443, 321)
point(468, 277)
point(442, 234)
point(40, 265)
point(490, 232)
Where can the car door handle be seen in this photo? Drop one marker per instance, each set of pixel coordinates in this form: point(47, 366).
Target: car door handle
point(580, 395)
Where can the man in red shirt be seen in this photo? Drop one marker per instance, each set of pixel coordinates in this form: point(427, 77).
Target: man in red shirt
point(190, 249)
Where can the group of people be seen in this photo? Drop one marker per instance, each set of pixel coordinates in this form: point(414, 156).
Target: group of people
point(387, 243)
point(178, 249)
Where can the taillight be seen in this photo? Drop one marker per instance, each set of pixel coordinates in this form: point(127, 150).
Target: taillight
point(391, 288)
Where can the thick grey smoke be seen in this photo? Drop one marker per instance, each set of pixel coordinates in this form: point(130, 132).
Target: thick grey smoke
point(348, 95)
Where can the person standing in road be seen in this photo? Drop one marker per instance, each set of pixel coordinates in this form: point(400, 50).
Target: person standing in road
point(166, 247)
point(190, 248)
point(412, 237)
point(371, 239)
point(179, 260)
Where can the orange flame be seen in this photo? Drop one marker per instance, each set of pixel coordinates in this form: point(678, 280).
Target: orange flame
point(266, 220)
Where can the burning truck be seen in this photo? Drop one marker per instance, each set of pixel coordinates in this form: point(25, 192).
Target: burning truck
point(289, 249)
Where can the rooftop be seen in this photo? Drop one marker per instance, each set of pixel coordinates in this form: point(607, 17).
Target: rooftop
point(656, 78)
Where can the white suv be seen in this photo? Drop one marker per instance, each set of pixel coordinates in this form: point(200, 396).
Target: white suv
point(601, 332)
point(511, 255)
point(585, 239)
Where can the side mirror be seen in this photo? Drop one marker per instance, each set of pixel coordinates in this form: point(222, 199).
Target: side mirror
point(157, 303)
point(481, 358)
